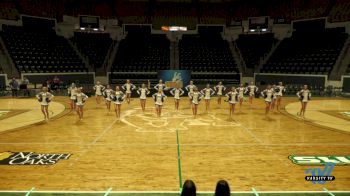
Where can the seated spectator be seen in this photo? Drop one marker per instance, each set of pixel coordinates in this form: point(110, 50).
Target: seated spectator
point(189, 188)
point(222, 188)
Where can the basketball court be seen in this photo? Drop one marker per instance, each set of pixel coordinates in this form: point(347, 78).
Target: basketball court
point(139, 152)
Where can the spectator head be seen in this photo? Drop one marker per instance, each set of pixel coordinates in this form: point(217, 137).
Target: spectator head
point(189, 188)
point(222, 188)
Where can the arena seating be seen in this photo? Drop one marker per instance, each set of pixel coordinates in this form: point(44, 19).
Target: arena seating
point(40, 51)
point(307, 53)
point(8, 11)
point(206, 53)
point(140, 52)
point(340, 11)
point(93, 45)
point(255, 46)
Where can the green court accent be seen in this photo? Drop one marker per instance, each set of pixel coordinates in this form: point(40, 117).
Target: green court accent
point(179, 160)
point(108, 191)
point(254, 191)
point(31, 190)
point(328, 191)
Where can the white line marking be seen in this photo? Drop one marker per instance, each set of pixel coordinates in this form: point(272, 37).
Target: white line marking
point(139, 192)
point(193, 144)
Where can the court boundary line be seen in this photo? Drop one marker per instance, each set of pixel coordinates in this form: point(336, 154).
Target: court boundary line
point(139, 192)
point(188, 144)
point(309, 122)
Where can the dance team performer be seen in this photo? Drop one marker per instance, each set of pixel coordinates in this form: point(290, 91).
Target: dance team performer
point(117, 97)
point(99, 88)
point(274, 97)
point(251, 89)
point(280, 89)
point(207, 92)
point(219, 91)
point(159, 98)
point(44, 98)
point(195, 98)
point(268, 96)
point(160, 86)
point(79, 100)
point(107, 95)
point(240, 90)
point(72, 91)
point(128, 87)
point(232, 99)
point(189, 88)
point(304, 97)
point(143, 92)
point(177, 92)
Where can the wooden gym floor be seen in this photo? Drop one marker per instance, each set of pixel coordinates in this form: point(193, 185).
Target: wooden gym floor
point(139, 152)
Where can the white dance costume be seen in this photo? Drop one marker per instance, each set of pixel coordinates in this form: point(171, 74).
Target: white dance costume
point(268, 94)
point(143, 92)
point(177, 92)
point(207, 92)
point(128, 87)
point(98, 89)
point(44, 98)
point(220, 89)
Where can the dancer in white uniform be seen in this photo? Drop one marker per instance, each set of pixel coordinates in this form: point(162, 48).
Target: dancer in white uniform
point(195, 98)
point(99, 88)
point(80, 99)
point(280, 89)
point(207, 92)
point(159, 98)
point(177, 92)
point(128, 87)
point(143, 92)
point(118, 97)
point(219, 91)
point(44, 98)
point(232, 100)
point(107, 95)
point(268, 96)
point(240, 90)
point(251, 89)
point(189, 88)
point(274, 97)
point(72, 91)
point(160, 86)
point(304, 97)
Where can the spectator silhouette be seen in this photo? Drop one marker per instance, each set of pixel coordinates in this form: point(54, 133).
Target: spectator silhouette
point(222, 188)
point(189, 188)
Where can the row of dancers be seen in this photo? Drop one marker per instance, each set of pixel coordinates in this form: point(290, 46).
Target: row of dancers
point(272, 96)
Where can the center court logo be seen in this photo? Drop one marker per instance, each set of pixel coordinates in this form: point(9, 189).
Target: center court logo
point(31, 158)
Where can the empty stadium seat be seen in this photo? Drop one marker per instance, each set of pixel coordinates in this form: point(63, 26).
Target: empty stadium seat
point(40, 51)
point(142, 52)
point(93, 45)
point(306, 53)
point(254, 47)
point(206, 53)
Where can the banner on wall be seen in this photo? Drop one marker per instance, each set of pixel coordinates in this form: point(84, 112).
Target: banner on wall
point(173, 77)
